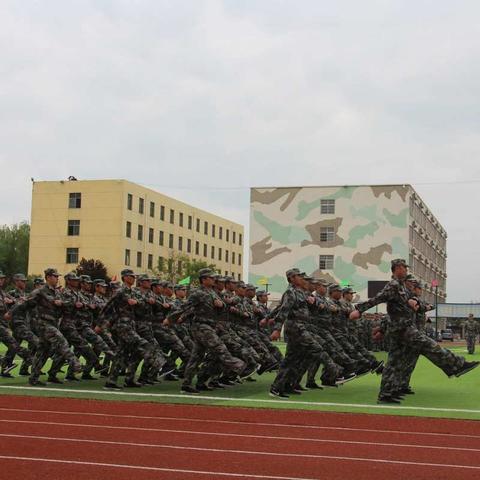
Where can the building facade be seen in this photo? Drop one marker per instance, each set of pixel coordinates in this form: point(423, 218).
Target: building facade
point(345, 234)
point(125, 225)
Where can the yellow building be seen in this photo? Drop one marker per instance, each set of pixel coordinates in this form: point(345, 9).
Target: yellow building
point(125, 225)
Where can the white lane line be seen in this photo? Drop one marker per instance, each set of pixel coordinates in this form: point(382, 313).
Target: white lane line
point(223, 434)
point(154, 469)
point(247, 452)
point(233, 422)
point(246, 423)
point(243, 475)
point(236, 400)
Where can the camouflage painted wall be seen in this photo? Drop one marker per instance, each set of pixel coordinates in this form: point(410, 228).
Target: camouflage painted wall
point(370, 228)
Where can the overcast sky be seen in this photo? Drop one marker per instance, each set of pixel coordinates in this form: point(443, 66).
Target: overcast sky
point(203, 99)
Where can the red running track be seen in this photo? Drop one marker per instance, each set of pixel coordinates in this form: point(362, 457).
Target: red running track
point(86, 439)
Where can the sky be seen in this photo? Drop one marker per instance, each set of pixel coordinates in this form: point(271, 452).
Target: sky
point(204, 99)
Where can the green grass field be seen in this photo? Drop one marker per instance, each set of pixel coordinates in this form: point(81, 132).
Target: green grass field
point(436, 395)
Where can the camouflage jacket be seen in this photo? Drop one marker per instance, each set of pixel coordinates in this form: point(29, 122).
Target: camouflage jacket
point(293, 307)
point(69, 299)
point(84, 317)
point(201, 303)
point(471, 328)
point(160, 312)
point(396, 296)
point(99, 301)
point(144, 309)
point(118, 305)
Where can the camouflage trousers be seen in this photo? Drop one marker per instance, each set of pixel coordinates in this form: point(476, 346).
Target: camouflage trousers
point(132, 348)
point(95, 340)
point(343, 340)
point(51, 344)
point(80, 347)
point(145, 330)
point(302, 346)
point(410, 341)
point(273, 349)
point(21, 332)
point(206, 341)
point(253, 339)
point(13, 348)
point(183, 333)
point(471, 339)
point(171, 345)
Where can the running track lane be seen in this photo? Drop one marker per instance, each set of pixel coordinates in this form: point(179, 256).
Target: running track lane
point(247, 443)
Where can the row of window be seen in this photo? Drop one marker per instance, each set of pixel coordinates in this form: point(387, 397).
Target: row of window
point(426, 273)
point(417, 241)
point(427, 224)
point(181, 221)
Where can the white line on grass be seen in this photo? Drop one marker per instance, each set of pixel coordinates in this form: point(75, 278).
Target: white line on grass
point(248, 475)
point(247, 400)
point(247, 452)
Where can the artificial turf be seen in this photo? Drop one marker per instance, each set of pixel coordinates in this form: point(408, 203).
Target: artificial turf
point(436, 395)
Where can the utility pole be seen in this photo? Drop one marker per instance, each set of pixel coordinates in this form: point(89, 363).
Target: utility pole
point(435, 284)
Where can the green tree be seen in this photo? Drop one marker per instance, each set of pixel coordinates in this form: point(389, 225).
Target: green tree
point(14, 242)
point(178, 266)
point(94, 268)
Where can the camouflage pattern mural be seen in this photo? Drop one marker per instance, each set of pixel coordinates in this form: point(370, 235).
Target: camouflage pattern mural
point(365, 227)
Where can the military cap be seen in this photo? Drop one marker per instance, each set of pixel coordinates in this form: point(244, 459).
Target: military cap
point(418, 284)
point(156, 282)
point(262, 292)
point(71, 276)
point(114, 284)
point(2, 275)
point(322, 282)
point(19, 277)
point(249, 286)
point(348, 290)
point(308, 278)
point(127, 272)
point(292, 272)
point(179, 287)
point(85, 279)
point(98, 282)
point(227, 278)
point(241, 284)
point(52, 272)
point(206, 272)
point(144, 278)
point(38, 281)
point(168, 285)
point(399, 262)
point(410, 278)
point(315, 281)
point(220, 278)
point(334, 287)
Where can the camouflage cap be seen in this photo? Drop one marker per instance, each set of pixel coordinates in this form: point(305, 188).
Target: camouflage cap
point(179, 287)
point(220, 279)
point(114, 284)
point(262, 292)
point(2, 275)
point(19, 277)
point(410, 278)
point(348, 290)
point(292, 272)
point(168, 285)
point(308, 278)
point(206, 272)
point(322, 282)
point(98, 282)
point(127, 272)
point(143, 278)
point(38, 281)
point(241, 284)
point(399, 262)
point(71, 276)
point(417, 284)
point(85, 279)
point(334, 287)
point(249, 286)
point(229, 279)
point(156, 282)
point(52, 272)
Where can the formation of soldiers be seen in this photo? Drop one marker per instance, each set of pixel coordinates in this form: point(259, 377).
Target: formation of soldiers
point(219, 335)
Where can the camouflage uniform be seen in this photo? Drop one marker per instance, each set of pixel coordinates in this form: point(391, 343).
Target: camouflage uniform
point(403, 333)
point(51, 341)
point(101, 323)
point(294, 313)
point(203, 331)
point(471, 332)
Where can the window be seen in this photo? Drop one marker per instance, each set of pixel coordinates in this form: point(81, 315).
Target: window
point(75, 200)
point(152, 209)
point(130, 201)
point(139, 259)
point(180, 243)
point(190, 222)
point(140, 232)
point(150, 261)
point(189, 245)
point(73, 229)
point(212, 252)
point(213, 230)
point(205, 228)
point(204, 249)
point(172, 216)
point(198, 225)
point(240, 239)
point(197, 248)
point(72, 255)
point(179, 266)
point(170, 240)
point(170, 265)
point(162, 212)
point(227, 235)
point(239, 276)
point(128, 230)
point(326, 262)
point(150, 235)
point(141, 205)
point(240, 259)
point(327, 234)
point(226, 256)
point(234, 234)
point(233, 257)
point(161, 238)
point(220, 254)
point(220, 233)
point(161, 263)
point(180, 219)
point(226, 273)
point(327, 206)
point(127, 257)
